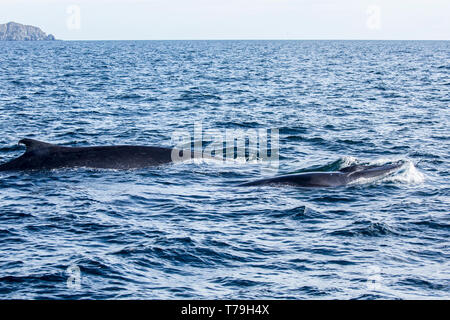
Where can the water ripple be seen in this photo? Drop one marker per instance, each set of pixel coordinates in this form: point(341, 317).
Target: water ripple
point(186, 231)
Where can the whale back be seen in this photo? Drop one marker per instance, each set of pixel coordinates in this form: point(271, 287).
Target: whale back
point(374, 171)
point(353, 168)
point(44, 156)
point(329, 179)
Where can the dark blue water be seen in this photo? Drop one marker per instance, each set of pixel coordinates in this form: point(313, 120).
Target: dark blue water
point(186, 230)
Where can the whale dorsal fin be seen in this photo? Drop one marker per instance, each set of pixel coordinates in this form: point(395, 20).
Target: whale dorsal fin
point(33, 145)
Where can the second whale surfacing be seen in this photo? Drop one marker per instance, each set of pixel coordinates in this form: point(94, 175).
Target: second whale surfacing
point(342, 177)
point(45, 156)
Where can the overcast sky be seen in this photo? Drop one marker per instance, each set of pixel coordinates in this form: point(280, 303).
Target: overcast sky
point(233, 19)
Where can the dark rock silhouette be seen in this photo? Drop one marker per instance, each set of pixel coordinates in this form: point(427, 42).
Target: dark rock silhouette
point(14, 31)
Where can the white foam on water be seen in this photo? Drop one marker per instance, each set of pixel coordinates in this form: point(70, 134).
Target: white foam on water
point(406, 174)
point(348, 161)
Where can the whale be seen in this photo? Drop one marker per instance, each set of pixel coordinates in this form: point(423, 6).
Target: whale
point(46, 156)
point(41, 155)
point(342, 177)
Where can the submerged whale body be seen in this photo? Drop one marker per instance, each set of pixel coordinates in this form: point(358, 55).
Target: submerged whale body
point(45, 156)
point(342, 177)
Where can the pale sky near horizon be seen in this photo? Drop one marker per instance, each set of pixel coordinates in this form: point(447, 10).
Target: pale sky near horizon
point(233, 19)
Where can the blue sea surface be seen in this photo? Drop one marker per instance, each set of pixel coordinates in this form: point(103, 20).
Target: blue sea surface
point(185, 230)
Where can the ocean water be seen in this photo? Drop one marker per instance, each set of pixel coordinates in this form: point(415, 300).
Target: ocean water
point(186, 230)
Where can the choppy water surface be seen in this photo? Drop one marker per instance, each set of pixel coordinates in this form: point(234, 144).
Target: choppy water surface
point(186, 230)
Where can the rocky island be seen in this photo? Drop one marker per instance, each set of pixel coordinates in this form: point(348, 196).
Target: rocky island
point(15, 31)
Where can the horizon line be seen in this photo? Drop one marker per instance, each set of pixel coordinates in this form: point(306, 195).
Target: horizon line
point(231, 39)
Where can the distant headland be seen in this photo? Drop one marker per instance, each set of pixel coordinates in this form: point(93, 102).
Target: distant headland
point(13, 31)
